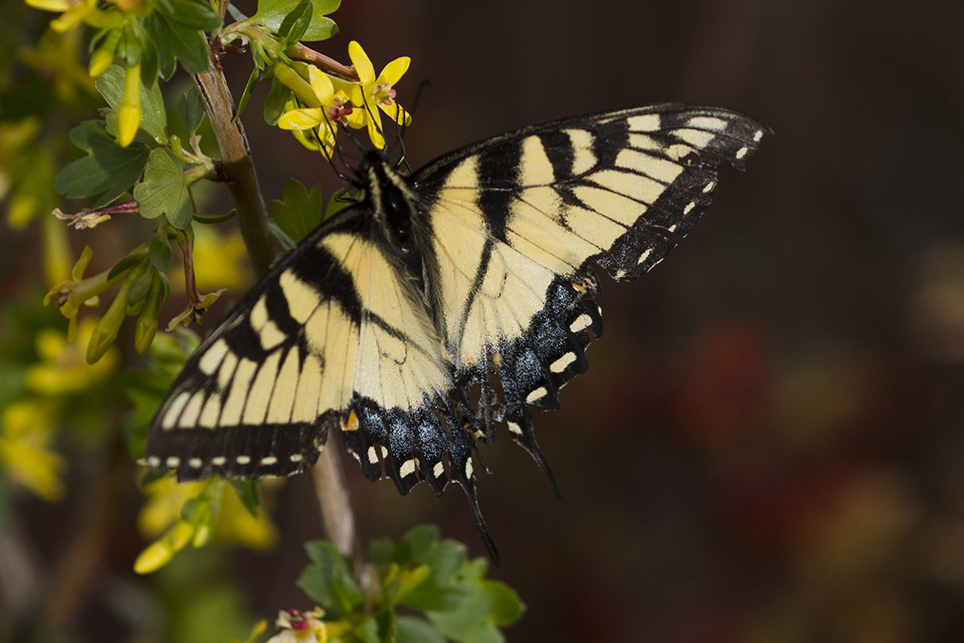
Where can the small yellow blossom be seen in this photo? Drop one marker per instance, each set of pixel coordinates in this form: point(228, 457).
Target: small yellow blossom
point(216, 503)
point(372, 90)
point(73, 12)
point(63, 367)
point(300, 627)
point(334, 109)
point(129, 112)
point(25, 440)
point(236, 524)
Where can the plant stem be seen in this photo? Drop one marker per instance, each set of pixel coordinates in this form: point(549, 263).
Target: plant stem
point(238, 169)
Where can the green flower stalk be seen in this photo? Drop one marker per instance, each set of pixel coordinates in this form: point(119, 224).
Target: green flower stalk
point(105, 332)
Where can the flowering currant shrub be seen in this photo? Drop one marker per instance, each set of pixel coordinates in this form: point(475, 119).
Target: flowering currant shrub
point(75, 370)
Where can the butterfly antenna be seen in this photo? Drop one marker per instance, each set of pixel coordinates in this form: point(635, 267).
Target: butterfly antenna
point(400, 139)
point(418, 94)
point(401, 128)
point(354, 140)
point(353, 181)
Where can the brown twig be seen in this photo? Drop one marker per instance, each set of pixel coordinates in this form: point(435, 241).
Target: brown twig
point(238, 168)
point(308, 54)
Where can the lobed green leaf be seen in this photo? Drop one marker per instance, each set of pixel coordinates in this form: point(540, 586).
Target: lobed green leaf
point(300, 211)
point(194, 14)
point(296, 23)
point(177, 41)
point(162, 192)
point(106, 172)
point(272, 13)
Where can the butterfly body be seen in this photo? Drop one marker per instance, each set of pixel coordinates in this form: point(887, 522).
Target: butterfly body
point(391, 320)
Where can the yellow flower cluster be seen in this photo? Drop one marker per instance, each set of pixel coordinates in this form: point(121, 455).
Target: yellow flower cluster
point(181, 514)
point(27, 425)
point(335, 102)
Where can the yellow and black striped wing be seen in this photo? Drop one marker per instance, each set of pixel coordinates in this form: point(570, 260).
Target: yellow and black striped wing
point(334, 336)
point(516, 222)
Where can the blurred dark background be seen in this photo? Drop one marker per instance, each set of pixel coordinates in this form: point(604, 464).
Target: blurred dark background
point(769, 442)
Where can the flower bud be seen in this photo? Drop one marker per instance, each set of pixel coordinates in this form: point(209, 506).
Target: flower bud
point(129, 112)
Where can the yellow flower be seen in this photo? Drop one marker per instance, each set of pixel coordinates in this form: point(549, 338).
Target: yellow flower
point(236, 524)
point(63, 366)
point(300, 627)
point(334, 109)
point(377, 90)
point(25, 441)
point(73, 12)
point(216, 511)
point(129, 112)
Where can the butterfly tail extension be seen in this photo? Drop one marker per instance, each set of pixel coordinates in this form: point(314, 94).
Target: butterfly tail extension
point(462, 471)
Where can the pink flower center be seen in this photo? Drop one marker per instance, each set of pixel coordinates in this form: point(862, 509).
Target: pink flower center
point(383, 94)
point(299, 623)
point(338, 112)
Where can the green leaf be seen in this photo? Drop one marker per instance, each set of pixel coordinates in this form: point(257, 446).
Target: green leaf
point(190, 109)
point(160, 251)
point(272, 13)
point(248, 493)
point(348, 598)
point(139, 287)
point(177, 41)
point(280, 235)
point(248, 89)
point(300, 211)
point(316, 579)
point(409, 629)
point(194, 14)
point(236, 13)
point(367, 631)
point(380, 552)
point(149, 60)
point(163, 191)
point(274, 102)
point(296, 23)
point(430, 596)
point(126, 263)
point(155, 24)
point(107, 171)
point(488, 606)
point(416, 543)
point(110, 84)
